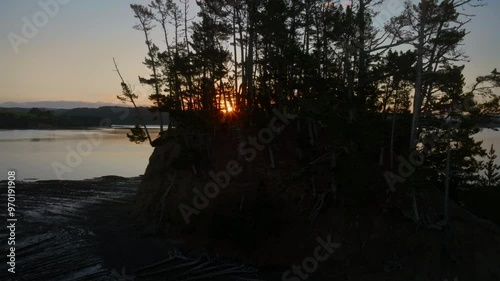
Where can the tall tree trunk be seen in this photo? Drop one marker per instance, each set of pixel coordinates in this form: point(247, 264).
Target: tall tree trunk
point(242, 89)
point(362, 52)
point(135, 106)
point(155, 76)
point(417, 102)
point(393, 130)
point(418, 85)
point(236, 88)
point(447, 180)
point(249, 71)
point(186, 8)
point(306, 30)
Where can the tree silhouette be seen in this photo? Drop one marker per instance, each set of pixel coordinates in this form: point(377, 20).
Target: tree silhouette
point(345, 76)
point(491, 177)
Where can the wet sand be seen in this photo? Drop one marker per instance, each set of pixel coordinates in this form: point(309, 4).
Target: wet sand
point(83, 230)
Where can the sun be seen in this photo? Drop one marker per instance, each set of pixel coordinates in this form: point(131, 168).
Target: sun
point(229, 109)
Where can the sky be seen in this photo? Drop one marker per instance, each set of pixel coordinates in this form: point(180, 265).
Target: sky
point(69, 56)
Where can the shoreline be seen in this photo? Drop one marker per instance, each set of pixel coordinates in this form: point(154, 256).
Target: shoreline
point(55, 227)
point(83, 230)
point(99, 178)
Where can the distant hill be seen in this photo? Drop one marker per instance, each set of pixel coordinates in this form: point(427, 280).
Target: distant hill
point(29, 118)
point(55, 104)
point(117, 114)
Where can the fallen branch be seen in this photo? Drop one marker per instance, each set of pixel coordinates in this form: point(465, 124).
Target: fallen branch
point(163, 199)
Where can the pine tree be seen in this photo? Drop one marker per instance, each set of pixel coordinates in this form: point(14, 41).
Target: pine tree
point(146, 17)
point(491, 176)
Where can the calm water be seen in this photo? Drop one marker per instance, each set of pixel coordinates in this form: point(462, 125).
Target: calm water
point(72, 154)
point(85, 154)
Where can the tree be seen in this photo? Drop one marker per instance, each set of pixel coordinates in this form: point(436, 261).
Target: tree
point(128, 95)
point(210, 57)
point(40, 112)
point(145, 17)
point(491, 176)
point(346, 78)
point(437, 28)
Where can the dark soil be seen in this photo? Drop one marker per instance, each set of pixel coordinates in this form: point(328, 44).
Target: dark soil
point(82, 230)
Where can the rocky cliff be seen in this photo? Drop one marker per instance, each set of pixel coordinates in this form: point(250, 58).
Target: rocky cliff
point(272, 210)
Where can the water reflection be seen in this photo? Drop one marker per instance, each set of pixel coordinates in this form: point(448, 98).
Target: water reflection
point(35, 153)
point(32, 153)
